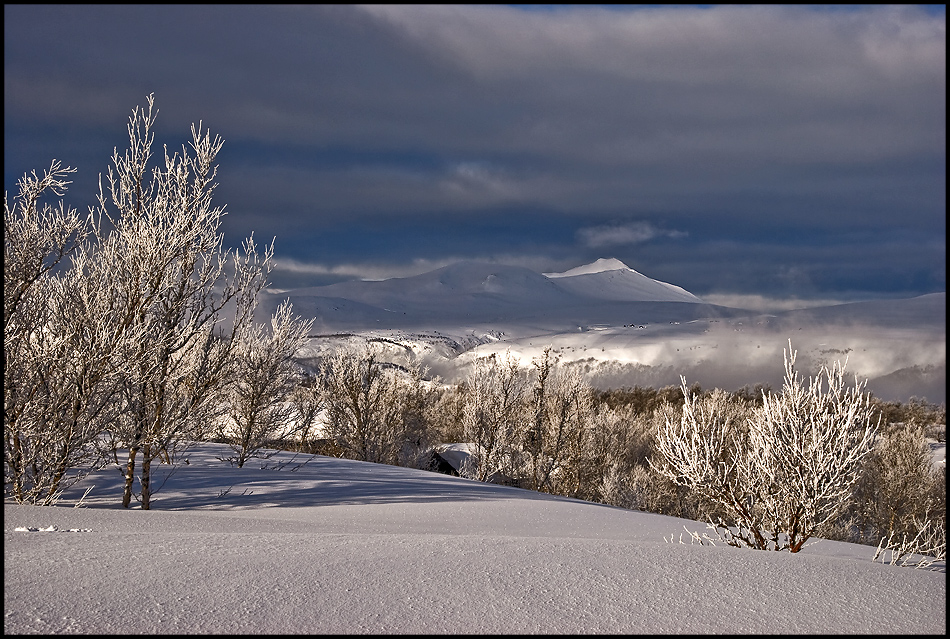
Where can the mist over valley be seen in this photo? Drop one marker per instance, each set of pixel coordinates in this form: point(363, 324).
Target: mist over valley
point(623, 328)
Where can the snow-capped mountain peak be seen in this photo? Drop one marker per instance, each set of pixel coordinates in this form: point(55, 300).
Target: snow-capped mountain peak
point(611, 279)
point(602, 265)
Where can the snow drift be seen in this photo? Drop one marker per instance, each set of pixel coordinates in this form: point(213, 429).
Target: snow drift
point(323, 545)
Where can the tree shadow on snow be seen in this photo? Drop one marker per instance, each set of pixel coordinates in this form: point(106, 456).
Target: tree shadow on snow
point(287, 480)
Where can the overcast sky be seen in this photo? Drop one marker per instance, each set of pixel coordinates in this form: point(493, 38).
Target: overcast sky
point(782, 152)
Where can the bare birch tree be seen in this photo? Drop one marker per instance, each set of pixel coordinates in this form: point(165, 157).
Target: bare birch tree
point(561, 411)
point(172, 279)
point(901, 491)
point(58, 374)
point(259, 404)
point(494, 417)
point(61, 332)
point(307, 398)
point(373, 412)
point(784, 475)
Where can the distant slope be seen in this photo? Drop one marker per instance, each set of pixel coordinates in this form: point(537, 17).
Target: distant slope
point(925, 310)
point(469, 284)
point(481, 293)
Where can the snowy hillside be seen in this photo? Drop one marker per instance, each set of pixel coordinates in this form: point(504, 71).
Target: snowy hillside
point(472, 284)
point(321, 545)
point(625, 328)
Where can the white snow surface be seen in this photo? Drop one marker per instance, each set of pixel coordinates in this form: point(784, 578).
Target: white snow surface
point(336, 546)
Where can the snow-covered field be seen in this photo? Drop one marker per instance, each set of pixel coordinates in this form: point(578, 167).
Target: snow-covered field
point(304, 544)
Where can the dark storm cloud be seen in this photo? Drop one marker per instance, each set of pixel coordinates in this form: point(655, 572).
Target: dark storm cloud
point(748, 150)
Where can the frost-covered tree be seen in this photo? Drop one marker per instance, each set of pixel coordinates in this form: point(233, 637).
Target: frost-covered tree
point(900, 489)
point(561, 410)
point(258, 397)
point(127, 343)
point(172, 281)
point(59, 377)
point(374, 412)
point(36, 239)
point(494, 417)
point(306, 397)
point(782, 474)
point(616, 444)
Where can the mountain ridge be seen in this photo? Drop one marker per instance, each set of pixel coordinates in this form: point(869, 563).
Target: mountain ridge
point(476, 292)
point(624, 328)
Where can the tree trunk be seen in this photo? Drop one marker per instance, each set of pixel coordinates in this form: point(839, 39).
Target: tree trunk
point(59, 473)
point(17, 468)
point(129, 477)
point(146, 480)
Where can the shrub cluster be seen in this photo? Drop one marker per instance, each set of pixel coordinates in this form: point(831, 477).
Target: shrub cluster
point(544, 428)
